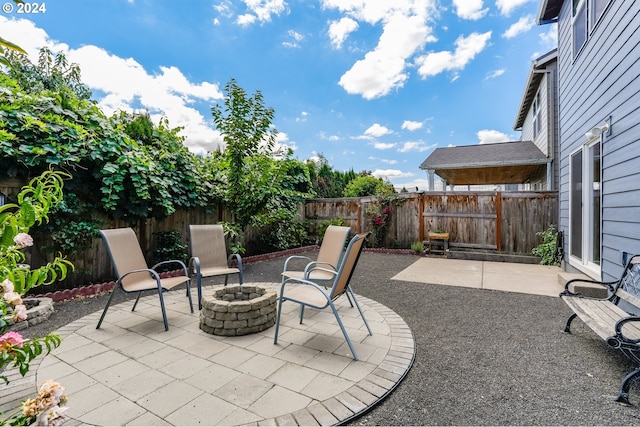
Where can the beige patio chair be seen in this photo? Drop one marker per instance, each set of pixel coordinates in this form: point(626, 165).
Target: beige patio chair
point(133, 273)
point(209, 256)
point(309, 294)
point(328, 256)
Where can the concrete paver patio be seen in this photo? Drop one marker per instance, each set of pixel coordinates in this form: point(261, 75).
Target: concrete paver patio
point(133, 372)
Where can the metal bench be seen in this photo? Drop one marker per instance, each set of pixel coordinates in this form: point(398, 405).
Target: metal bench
point(612, 317)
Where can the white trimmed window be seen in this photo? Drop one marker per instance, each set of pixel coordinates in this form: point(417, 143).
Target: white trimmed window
point(597, 8)
point(579, 25)
point(537, 117)
point(586, 14)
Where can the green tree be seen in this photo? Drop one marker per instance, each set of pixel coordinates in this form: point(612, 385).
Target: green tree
point(328, 183)
point(124, 166)
point(52, 73)
point(368, 185)
point(246, 128)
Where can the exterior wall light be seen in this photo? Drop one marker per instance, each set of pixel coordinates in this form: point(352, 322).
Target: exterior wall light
point(603, 129)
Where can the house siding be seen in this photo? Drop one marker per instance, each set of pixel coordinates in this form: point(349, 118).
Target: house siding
point(546, 139)
point(602, 81)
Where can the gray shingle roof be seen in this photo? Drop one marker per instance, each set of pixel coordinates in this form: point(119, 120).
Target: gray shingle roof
point(503, 163)
point(504, 153)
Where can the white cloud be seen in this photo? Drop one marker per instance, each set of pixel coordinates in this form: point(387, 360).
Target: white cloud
point(495, 73)
point(550, 38)
point(303, 117)
point(507, 6)
point(487, 136)
point(466, 49)
point(470, 9)
point(523, 25)
point(376, 130)
point(383, 145)
point(262, 10)
point(405, 30)
point(296, 37)
point(128, 86)
point(411, 125)
point(283, 143)
point(245, 20)
point(418, 146)
point(224, 8)
point(391, 173)
point(389, 161)
point(340, 30)
point(326, 137)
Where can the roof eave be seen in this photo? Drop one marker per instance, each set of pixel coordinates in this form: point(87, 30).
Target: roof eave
point(488, 164)
point(548, 11)
point(533, 81)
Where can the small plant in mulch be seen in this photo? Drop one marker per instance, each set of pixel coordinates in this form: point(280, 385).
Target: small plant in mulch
point(417, 247)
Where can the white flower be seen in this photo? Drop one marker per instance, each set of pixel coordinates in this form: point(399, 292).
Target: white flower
point(22, 240)
point(20, 313)
point(51, 389)
point(53, 416)
point(13, 298)
point(7, 285)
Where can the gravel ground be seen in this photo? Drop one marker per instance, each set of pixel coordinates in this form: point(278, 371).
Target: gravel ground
point(482, 357)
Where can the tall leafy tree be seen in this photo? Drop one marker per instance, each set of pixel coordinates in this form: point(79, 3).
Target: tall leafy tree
point(327, 182)
point(246, 127)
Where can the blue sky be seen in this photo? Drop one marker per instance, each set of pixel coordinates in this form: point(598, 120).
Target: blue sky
point(372, 85)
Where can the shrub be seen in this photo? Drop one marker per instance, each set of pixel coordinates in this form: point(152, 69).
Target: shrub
point(547, 249)
point(169, 246)
point(417, 247)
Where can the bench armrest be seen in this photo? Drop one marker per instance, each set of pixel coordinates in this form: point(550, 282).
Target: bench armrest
point(619, 338)
point(568, 287)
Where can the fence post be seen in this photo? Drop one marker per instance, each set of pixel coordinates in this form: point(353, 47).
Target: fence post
point(498, 221)
point(421, 217)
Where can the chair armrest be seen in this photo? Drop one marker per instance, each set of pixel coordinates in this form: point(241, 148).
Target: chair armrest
point(568, 287)
point(619, 338)
point(194, 265)
point(292, 257)
point(238, 259)
point(313, 266)
point(302, 282)
point(151, 272)
point(173, 261)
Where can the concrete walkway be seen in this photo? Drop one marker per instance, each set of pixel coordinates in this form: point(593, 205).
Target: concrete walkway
point(499, 276)
point(132, 372)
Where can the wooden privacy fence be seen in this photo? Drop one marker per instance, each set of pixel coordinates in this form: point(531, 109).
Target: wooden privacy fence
point(501, 221)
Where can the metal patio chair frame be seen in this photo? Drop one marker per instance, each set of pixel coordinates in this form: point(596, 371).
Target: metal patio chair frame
point(134, 275)
point(209, 256)
point(310, 294)
point(328, 257)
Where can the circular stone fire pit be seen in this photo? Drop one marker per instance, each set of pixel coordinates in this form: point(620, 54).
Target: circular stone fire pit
point(238, 310)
